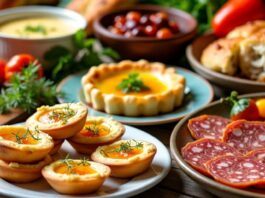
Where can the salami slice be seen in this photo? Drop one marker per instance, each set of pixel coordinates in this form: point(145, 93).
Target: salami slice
point(245, 136)
point(258, 154)
point(236, 171)
point(207, 126)
point(197, 153)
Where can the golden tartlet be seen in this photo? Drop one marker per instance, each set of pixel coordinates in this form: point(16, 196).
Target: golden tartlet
point(126, 158)
point(59, 121)
point(22, 173)
point(56, 147)
point(75, 176)
point(20, 144)
point(165, 88)
point(97, 131)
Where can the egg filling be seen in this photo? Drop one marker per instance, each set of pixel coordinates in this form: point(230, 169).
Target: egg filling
point(95, 129)
point(124, 150)
point(58, 115)
point(145, 83)
point(22, 137)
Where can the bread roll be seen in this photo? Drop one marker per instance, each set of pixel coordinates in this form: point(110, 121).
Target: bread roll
point(252, 56)
point(222, 56)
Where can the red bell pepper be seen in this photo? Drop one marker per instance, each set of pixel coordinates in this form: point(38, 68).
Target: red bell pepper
point(2, 71)
point(235, 13)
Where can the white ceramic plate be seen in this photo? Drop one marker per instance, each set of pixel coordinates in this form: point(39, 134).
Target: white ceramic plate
point(112, 187)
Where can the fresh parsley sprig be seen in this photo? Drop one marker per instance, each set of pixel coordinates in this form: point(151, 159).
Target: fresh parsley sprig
point(132, 84)
point(27, 91)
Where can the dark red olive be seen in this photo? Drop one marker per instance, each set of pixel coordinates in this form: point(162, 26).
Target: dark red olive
point(144, 20)
point(164, 33)
point(174, 26)
point(138, 31)
point(134, 16)
point(130, 24)
point(120, 19)
point(128, 34)
point(150, 30)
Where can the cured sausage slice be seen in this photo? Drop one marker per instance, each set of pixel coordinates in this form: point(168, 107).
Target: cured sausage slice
point(245, 136)
point(207, 126)
point(258, 154)
point(236, 171)
point(197, 153)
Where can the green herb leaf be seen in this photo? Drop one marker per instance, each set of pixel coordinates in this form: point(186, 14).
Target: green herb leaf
point(38, 29)
point(132, 84)
point(27, 91)
point(55, 53)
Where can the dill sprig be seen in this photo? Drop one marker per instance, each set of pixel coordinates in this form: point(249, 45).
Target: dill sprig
point(129, 146)
point(28, 133)
point(70, 163)
point(95, 127)
point(63, 114)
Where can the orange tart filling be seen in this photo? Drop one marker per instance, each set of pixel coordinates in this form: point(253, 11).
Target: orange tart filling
point(57, 115)
point(21, 137)
point(74, 168)
point(95, 129)
point(123, 151)
point(134, 83)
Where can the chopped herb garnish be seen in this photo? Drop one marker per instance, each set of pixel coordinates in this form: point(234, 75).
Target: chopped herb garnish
point(19, 139)
point(37, 29)
point(62, 114)
point(128, 146)
point(96, 127)
point(132, 84)
point(70, 163)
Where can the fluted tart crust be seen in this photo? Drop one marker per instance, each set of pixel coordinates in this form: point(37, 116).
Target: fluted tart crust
point(165, 88)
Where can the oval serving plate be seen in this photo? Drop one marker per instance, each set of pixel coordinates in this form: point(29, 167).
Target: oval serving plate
point(200, 94)
point(112, 187)
point(194, 52)
point(181, 136)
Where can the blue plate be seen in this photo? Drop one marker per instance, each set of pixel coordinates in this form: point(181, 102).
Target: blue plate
point(199, 94)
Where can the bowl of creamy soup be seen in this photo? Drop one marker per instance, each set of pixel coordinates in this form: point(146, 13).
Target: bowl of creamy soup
point(36, 29)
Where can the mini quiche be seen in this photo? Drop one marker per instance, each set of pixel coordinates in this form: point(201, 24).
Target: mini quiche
point(71, 176)
point(126, 158)
point(57, 146)
point(97, 131)
point(59, 121)
point(22, 173)
point(23, 145)
point(133, 88)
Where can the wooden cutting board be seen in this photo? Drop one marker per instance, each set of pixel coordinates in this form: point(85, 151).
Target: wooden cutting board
point(15, 116)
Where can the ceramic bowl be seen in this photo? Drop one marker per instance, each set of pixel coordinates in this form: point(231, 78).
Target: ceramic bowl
point(147, 47)
point(194, 52)
point(11, 45)
point(181, 136)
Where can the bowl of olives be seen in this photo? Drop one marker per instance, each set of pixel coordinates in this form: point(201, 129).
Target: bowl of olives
point(146, 31)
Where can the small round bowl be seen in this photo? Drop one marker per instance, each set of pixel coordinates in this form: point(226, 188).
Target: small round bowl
point(11, 45)
point(149, 48)
point(241, 85)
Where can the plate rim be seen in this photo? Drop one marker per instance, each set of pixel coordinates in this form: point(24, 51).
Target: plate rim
point(197, 176)
point(144, 123)
point(141, 189)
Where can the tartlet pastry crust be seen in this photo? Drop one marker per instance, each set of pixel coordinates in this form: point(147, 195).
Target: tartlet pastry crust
point(87, 145)
point(59, 130)
point(129, 167)
point(75, 183)
point(24, 153)
point(22, 173)
point(129, 105)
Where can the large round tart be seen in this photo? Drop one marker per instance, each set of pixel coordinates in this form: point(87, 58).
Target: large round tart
point(133, 88)
point(23, 145)
point(126, 158)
